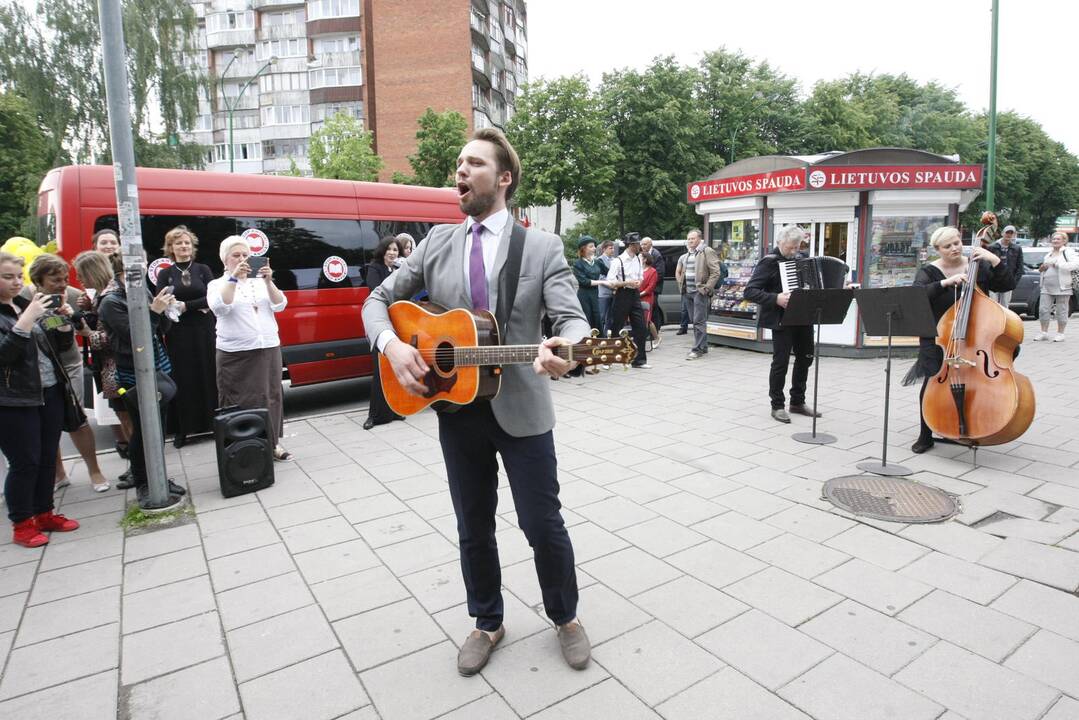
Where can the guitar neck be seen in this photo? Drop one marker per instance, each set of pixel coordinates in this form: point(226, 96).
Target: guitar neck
point(503, 354)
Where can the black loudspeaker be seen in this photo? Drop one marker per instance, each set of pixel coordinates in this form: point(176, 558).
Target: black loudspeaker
point(244, 452)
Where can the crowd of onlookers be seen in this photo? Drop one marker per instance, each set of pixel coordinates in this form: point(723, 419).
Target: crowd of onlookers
point(201, 327)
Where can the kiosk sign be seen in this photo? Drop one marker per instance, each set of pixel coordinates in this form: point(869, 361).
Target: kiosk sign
point(895, 177)
point(758, 184)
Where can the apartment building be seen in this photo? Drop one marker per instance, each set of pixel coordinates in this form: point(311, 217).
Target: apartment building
point(284, 66)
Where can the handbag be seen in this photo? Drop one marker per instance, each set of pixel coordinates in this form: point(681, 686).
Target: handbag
point(74, 415)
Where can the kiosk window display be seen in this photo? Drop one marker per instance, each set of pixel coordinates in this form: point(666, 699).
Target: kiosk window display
point(738, 244)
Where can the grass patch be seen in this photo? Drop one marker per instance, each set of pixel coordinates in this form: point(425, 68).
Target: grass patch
point(137, 519)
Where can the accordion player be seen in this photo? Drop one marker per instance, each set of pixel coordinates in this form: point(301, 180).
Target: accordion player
point(815, 273)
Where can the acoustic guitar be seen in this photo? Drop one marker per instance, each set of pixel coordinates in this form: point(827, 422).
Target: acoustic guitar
point(463, 351)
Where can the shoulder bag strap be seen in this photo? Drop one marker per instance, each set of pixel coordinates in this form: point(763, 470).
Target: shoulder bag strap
point(512, 273)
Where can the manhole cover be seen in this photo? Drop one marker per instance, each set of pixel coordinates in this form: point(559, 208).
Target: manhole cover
point(890, 498)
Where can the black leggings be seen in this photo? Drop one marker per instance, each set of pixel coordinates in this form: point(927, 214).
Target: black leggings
point(926, 433)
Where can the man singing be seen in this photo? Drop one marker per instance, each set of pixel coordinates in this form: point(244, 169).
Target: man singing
point(766, 289)
point(463, 266)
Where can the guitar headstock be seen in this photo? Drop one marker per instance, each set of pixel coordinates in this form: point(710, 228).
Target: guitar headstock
point(596, 350)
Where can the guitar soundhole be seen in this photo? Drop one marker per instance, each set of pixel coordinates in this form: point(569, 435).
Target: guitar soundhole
point(444, 358)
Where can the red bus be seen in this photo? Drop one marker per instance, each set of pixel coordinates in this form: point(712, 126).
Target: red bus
point(305, 220)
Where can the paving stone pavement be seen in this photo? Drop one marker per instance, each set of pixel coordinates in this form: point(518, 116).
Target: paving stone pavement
point(715, 581)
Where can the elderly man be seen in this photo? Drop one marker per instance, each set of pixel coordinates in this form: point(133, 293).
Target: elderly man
point(1009, 251)
point(766, 289)
point(701, 273)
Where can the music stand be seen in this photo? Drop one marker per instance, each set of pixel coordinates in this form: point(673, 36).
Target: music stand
point(893, 311)
point(816, 307)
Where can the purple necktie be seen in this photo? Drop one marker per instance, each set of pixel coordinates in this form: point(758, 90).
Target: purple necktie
point(477, 277)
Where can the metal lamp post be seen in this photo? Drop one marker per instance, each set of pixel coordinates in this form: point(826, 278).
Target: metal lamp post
point(230, 107)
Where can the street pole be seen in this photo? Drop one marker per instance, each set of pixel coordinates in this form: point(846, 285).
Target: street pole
point(230, 107)
point(991, 169)
point(134, 256)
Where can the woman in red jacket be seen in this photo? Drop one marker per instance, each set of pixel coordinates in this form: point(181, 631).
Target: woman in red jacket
point(648, 295)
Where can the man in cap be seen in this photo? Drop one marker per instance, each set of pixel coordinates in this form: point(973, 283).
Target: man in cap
point(1008, 250)
point(625, 274)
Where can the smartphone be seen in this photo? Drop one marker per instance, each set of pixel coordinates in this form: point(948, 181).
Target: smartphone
point(256, 263)
point(169, 289)
point(52, 302)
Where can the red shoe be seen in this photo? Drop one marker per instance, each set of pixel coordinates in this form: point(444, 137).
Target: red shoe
point(49, 521)
point(28, 535)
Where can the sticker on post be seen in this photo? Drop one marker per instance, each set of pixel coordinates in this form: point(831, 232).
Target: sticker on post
point(335, 268)
point(256, 240)
point(156, 267)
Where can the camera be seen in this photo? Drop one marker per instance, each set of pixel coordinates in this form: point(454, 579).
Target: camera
point(52, 302)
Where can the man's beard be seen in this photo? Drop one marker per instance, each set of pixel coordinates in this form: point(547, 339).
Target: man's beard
point(477, 203)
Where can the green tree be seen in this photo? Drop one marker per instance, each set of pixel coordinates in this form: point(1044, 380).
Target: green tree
point(52, 57)
point(25, 154)
point(293, 168)
point(438, 142)
point(567, 151)
point(662, 135)
point(341, 150)
point(158, 154)
point(752, 108)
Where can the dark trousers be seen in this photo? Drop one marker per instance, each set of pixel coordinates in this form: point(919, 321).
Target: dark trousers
point(799, 340)
point(627, 305)
point(29, 439)
point(589, 298)
point(470, 438)
point(136, 452)
point(378, 410)
point(687, 312)
point(925, 433)
point(659, 318)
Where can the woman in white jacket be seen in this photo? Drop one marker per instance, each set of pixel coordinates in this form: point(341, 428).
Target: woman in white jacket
point(1056, 284)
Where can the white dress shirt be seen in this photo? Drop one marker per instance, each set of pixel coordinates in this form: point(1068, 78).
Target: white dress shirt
point(493, 227)
point(632, 265)
point(247, 323)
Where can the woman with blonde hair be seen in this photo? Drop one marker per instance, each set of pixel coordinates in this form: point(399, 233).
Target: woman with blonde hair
point(31, 408)
point(191, 338)
point(248, 346)
point(1056, 285)
point(943, 279)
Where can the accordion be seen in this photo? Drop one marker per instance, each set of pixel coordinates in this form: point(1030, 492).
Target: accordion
point(815, 273)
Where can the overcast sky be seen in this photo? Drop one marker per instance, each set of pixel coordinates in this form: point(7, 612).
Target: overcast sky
point(943, 40)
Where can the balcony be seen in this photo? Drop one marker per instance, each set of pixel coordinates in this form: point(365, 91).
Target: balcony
point(249, 101)
point(284, 164)
point(285, 132)
point(339, 59)
point(230, 38)
point(267, 4)
point(479, 62)
point(243, 69)
point(277, 98)
point(289, 31)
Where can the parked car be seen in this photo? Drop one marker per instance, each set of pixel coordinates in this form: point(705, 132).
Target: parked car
point(1028, 290)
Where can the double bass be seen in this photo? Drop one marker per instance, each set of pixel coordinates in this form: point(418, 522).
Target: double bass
point(978, 398)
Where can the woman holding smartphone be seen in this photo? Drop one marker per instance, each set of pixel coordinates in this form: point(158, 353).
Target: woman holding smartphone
point(248, 346)
point(31, 409)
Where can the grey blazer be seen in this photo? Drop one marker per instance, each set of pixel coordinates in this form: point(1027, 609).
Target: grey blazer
point(523, 405)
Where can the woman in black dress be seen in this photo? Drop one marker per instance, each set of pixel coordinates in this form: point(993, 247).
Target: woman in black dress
point(943, 279)
point(190, 339)
point(382, 264)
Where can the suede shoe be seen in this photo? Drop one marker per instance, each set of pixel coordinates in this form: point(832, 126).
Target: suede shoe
point(576, 648)
point(804, 409)
point(28, 535)
point(51, 522)
point(477, 650)
point(781, 415)
point(681, 331)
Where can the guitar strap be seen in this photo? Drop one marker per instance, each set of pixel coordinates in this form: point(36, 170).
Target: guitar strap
point(511, 273)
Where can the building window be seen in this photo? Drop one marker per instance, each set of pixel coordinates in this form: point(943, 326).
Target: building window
point(322, 113)
point(284, 17)
point(480, 120)
point(282, 82)
point(334, 77)
point(479, 60)
point(242, 151)
point(319, 9)
point(284, 148)
point(495, 32)
point(293, 47)
point(285, 115)
point(219, 22)
point(336, 44)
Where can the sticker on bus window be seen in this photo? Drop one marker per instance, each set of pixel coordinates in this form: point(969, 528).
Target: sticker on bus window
point(335, 268)
point(156, 267)
point(256, 240)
